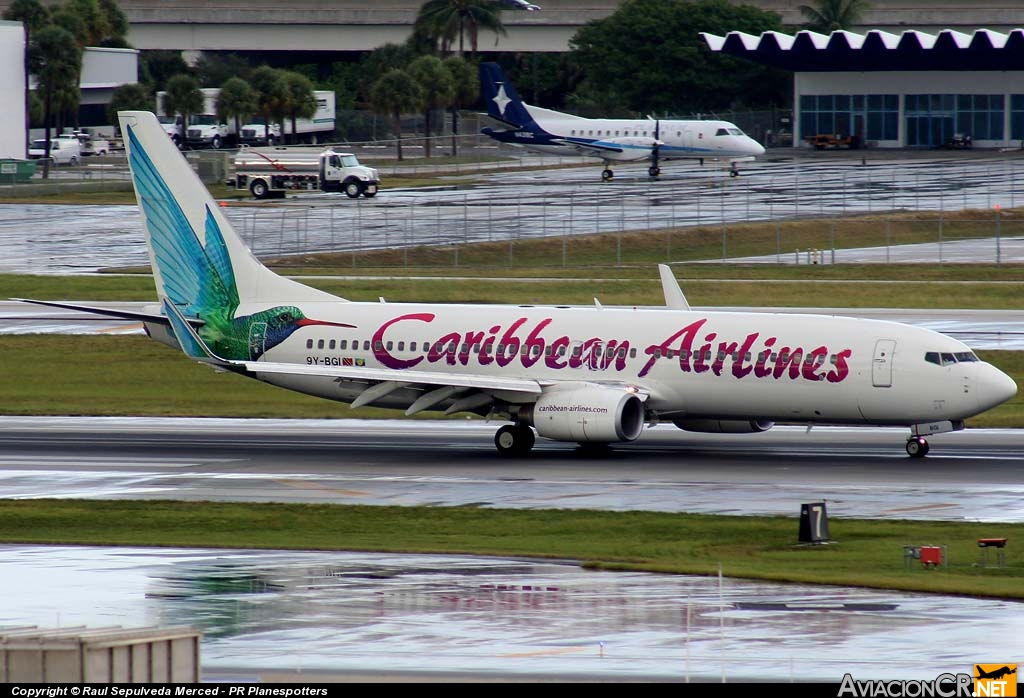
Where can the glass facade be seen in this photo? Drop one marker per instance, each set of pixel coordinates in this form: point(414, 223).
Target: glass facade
point(934, 119)
point(871, 117)
point(1016, 117)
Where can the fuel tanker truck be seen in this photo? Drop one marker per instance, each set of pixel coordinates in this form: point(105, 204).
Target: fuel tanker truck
point(272, 172)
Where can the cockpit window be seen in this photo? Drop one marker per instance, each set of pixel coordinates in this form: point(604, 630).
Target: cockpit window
point(722, 132)
point(946, 358)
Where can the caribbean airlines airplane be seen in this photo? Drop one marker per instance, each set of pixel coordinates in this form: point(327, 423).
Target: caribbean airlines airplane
point(593, 375)
point(612, 140)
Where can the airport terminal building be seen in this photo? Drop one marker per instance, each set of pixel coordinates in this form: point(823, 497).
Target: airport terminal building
point(887, 90)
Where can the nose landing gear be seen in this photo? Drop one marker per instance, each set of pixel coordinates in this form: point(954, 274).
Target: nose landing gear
point(917, 447)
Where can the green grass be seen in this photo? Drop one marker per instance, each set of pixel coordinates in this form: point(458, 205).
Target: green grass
point(916, 286)
point(862, 553)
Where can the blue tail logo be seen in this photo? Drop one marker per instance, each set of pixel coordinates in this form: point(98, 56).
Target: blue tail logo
point(502, 100)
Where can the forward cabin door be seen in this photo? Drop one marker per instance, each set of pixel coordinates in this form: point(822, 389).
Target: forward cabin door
point(881, 365)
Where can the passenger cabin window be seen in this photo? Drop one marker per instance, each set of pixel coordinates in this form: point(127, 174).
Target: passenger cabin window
point(331, 344)
point(343, 344)
point(320, 344)
point(309, 343)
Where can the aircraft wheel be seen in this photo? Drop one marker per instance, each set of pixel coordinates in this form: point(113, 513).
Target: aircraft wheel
point(734, 173)
point(512, 441)
point(606, 175)
point(917, 447)
point(654, 171)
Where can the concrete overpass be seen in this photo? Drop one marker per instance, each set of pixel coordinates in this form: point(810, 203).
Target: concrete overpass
point(346, 25)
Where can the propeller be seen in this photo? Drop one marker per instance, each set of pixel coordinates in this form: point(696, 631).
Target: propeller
point(654, 170)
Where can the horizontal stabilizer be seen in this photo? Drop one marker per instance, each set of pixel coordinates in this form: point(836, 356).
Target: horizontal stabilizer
point(111, 312)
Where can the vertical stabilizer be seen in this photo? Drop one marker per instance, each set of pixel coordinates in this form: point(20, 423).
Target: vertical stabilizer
point(199, 262)
point(502, 100)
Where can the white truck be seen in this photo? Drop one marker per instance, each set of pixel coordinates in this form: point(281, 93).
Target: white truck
point(203, 129)
point(272, 172)
point(318, 129)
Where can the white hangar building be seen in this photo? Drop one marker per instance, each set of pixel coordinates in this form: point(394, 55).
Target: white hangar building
point(912, 89)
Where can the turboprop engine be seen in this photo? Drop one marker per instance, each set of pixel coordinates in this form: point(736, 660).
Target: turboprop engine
point(586, 413)
point(724, 426)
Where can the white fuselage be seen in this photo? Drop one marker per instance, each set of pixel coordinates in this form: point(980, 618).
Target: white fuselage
point(634, 139)
point(727, 365)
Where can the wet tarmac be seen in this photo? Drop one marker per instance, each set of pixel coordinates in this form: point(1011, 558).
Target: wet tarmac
point(271, 616)
point(53, 239)
point(308, 614)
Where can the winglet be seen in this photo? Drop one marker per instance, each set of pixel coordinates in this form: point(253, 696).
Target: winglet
point(191, 343)
point(674, 297)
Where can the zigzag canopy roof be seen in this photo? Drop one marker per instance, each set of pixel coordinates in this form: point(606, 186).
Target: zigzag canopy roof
point(808, 51)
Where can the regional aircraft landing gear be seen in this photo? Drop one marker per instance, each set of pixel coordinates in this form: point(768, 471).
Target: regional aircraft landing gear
point(917, 447)
point(514, 440)
point(734, 171)
point(653, 171)
point(607, 174)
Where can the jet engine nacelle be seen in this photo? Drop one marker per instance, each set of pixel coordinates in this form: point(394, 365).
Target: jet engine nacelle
point(724, 426)
point(587, 413)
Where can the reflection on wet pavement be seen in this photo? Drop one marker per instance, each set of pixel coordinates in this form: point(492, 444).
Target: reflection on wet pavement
point(380, 613)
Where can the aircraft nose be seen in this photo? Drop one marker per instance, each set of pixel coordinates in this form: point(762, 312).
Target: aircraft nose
point(994, 388)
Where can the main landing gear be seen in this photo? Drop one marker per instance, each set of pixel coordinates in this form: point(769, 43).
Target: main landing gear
point(917, 447)
point(653, 171)
point(514, 440)
point(607, 174)
point(734, 171)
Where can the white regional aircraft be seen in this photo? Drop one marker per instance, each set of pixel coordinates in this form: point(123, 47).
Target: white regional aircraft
point(612, 140)
point(593, 375)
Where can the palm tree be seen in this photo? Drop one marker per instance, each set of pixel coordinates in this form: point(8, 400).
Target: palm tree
point(438, 89)
point(184, 97)
point(131, 97)
point(394, 94)
point(33, 16)
point(447, 19)
point(827, 16)
point(301, 101)
point(271, 95)
point(467, 89)
point(235, 100)
point(56, 62)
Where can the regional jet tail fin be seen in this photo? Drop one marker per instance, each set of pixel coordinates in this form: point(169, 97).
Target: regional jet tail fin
point(199, 263)
point(502, 100)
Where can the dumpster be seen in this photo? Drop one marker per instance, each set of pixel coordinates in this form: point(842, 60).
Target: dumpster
point(13, 171)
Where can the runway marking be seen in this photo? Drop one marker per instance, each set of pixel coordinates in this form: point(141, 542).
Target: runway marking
point(324, 488)
point(923, 507)
point(548, 652)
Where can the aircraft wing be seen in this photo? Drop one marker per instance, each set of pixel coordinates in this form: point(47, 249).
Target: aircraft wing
point(588, 147)
point(412, 377)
